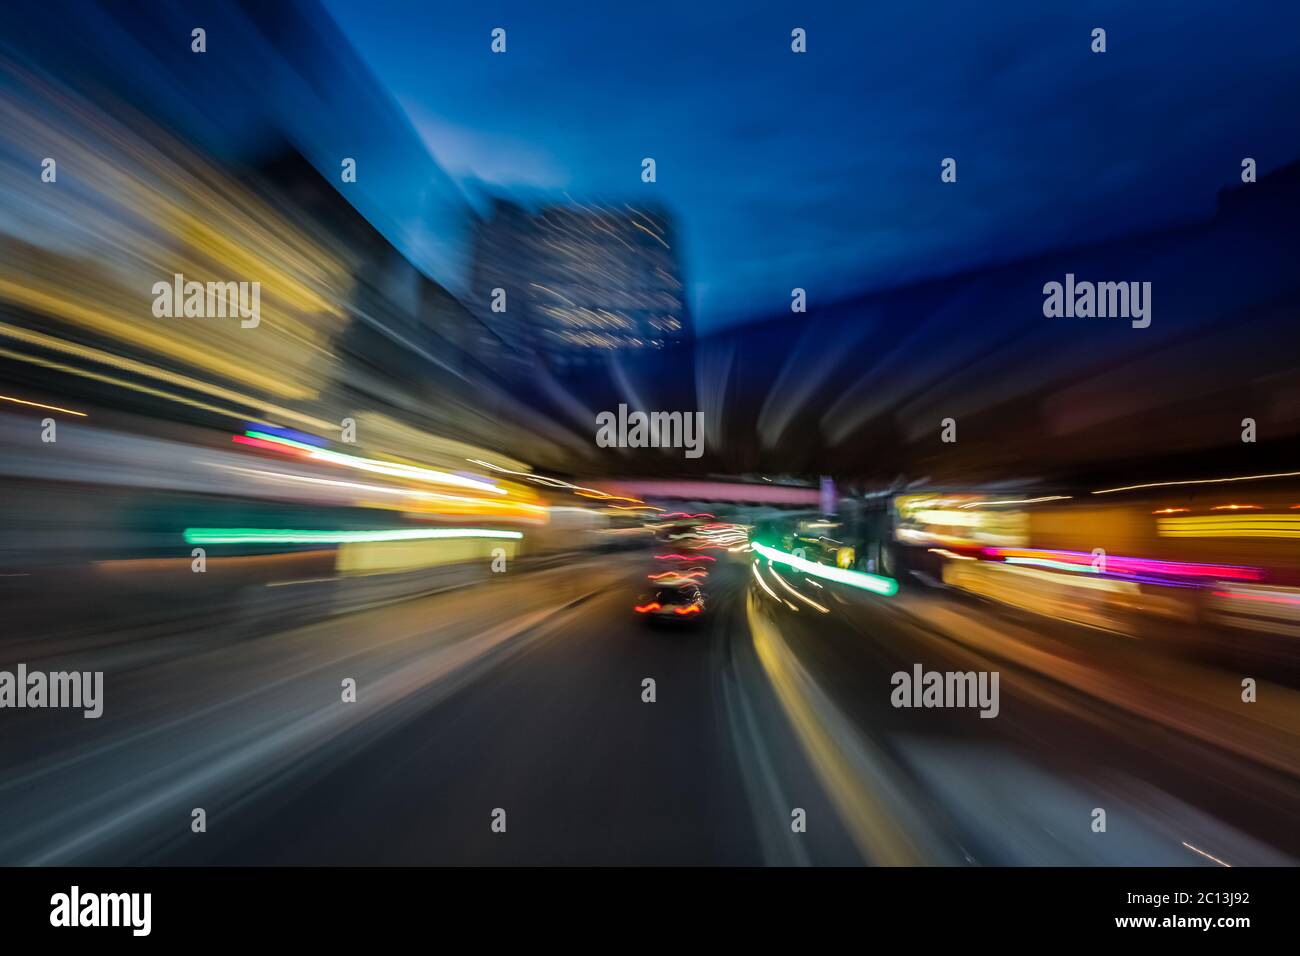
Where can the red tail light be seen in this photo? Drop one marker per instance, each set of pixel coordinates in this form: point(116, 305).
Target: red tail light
point(647, 608)
point(689, 609)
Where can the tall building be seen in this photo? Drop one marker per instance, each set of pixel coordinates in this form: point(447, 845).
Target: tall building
point(580, 281)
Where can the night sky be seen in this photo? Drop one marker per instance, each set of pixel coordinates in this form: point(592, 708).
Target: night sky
point(822, 170)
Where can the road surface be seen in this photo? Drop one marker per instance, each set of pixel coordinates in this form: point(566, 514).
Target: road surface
point(518, 700)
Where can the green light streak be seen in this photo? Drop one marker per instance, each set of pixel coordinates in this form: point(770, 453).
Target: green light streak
point(876, 583)
point(281, 440)
point(280, 536)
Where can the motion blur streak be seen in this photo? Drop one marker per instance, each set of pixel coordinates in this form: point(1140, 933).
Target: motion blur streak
point(853, 776)
point(271, 536)
point(806, 600)
point(50, 408)
point(1197, 481)
point(396, 469)
point(1079, 561)
point(1232, 526)
point(868, 582)
point(362, 570)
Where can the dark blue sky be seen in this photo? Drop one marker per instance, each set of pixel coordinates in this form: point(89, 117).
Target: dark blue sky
point(822, 170)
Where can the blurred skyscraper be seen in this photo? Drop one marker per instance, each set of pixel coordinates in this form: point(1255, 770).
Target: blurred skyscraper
point(229, 166)
point(580, 282)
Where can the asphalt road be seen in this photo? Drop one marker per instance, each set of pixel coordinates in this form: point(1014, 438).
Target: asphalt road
point(556, 734)
point(771, 738)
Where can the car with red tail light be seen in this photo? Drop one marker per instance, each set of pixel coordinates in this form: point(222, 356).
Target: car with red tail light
point(673, 603)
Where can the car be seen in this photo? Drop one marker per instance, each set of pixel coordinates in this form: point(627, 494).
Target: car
point(676, 603)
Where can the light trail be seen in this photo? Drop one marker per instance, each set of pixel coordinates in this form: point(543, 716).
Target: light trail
point(1197, 481)
point(999, 502)
point(1206, 855)
point(1230, 526)
point(763, 584)
point(286, 536)
point(806, 600)
point(1082, 560)
point(466, 505)
point(51, 408)
point(878, 584)
point(944, 552)
point(393, 469)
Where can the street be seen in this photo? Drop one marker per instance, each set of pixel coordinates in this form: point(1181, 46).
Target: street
point(523, 693)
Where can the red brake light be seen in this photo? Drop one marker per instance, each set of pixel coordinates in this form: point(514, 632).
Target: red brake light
point(646, 608)
point(689, 609)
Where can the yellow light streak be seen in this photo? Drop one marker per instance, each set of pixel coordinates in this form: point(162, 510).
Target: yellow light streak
point(1198, 481)
point(52, 408)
